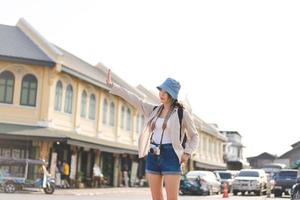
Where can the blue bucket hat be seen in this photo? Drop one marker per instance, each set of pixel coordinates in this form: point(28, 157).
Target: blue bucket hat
point(171, 86)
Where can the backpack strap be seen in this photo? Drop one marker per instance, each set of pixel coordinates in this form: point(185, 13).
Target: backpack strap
point(180, 116)
point(154, 108)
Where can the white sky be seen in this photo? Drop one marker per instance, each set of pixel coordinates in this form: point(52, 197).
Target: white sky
point(237, 61)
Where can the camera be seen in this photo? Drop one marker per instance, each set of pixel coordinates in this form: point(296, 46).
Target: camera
point(154, 149)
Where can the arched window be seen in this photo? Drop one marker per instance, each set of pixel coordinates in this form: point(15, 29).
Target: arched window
point(142, 121)
point(128, 124)
point(92, 107)
point(105, 108)
point(58, 96)
point(137, 124)
point(29, 90)
point(69, 99)
point(7, 82)
point(122, 117)
point(112, 114)
point(83, 104)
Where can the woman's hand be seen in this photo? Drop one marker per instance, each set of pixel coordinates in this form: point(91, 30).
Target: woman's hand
point(108, 79)
point(185, 157)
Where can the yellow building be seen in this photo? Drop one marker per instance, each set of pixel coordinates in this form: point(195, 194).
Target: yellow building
point(55, 106)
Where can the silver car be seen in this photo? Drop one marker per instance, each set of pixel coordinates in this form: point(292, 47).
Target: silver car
point(250, 180)
point(200, 182)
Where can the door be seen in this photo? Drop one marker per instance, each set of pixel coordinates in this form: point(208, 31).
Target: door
point(108, 167)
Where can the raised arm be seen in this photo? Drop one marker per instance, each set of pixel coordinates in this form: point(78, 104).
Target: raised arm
point(134, 100)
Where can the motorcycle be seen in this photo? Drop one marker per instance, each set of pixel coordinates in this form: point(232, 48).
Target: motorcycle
point(19, 174)
point(295, 193)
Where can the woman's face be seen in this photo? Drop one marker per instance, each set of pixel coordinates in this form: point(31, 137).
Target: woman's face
point(164, 97)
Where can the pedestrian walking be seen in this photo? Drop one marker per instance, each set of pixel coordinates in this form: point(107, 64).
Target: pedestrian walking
point(164, 139)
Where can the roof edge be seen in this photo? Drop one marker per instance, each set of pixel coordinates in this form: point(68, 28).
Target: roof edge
point(27, 61)
point(39, 40)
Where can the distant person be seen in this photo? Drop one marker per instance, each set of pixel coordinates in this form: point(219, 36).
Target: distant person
point(125, 169)
point(66, 175)
point(97, 176)
point(162, 140)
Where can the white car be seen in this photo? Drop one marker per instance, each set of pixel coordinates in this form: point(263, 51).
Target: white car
point(250, 180)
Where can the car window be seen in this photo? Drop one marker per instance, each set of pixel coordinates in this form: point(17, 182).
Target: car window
point(249, 174)
point(225, 175)
point(289, 174)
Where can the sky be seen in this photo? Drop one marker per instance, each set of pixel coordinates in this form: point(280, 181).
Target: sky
point(237, 61)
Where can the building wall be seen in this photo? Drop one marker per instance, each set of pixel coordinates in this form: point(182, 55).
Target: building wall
point(210, 149)
point(44, 113)
point(15, 112)
point(293, 156)
point(210, 146)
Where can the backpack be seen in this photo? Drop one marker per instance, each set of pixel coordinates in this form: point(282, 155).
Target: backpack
point(180, 116)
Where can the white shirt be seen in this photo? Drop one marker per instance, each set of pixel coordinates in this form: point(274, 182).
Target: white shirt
point(157, 132)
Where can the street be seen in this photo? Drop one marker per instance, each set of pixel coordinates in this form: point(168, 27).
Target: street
point(112, 194)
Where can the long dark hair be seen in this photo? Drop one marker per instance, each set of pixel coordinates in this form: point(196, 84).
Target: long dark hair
point(177, 104)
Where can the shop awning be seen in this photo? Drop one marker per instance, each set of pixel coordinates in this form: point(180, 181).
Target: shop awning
point(23, 132)
point(208, 166)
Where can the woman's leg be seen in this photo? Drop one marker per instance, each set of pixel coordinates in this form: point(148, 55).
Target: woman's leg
point(172, 186)
point(156, 185)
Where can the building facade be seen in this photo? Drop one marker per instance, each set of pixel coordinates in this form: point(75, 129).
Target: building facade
point(261, 160)
point(292, 157)
point(56, 107)
point(234, 151)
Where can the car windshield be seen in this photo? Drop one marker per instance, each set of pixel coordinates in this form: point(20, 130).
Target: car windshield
point(249, 174)
point(195, 174)
point(225, 175)
point(289, 174)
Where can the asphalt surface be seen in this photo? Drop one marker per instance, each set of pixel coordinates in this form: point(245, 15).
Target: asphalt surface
point(112, 194)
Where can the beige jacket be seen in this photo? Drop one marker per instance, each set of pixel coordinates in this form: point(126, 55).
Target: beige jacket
point(188, 125)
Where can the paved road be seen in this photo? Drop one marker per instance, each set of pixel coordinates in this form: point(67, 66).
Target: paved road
point(111, 194)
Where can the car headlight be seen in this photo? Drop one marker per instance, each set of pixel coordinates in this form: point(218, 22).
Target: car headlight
point(254, 182)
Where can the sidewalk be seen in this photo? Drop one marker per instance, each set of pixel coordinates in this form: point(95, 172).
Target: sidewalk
point(99, 191)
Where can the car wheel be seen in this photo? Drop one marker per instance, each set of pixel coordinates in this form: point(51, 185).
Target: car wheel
point(243, 193)
point(296, 195)
point(278, 193)
point(181, 192)
point(10, 187)
point(258, 193)
point(210, 191)
point(235, 192)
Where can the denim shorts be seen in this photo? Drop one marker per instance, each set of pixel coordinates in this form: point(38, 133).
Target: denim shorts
point(165, 163)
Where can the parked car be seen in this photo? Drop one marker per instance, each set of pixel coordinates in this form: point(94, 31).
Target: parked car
point(234, 173)
point(284, 181)
point(250, 180)
point(272, 170)
point(225, 177)
point(17, 174)
point(200, 182)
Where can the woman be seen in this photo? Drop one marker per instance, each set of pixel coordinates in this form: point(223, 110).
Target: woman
point(161, 140)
